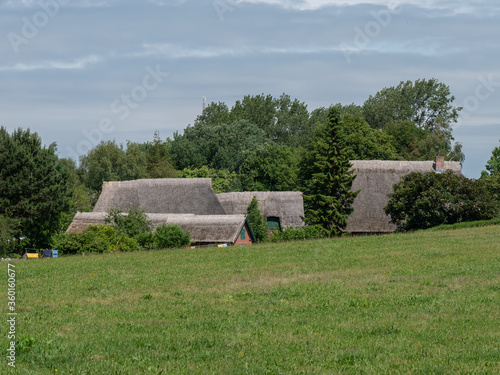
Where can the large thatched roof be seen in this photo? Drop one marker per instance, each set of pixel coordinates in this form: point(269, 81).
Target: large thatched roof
point(287, 205)
point(375, 179)
point(163, 195)
point(202, 228)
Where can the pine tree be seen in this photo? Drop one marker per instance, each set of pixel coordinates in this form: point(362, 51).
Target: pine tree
point(256, 220)
point(328, 197)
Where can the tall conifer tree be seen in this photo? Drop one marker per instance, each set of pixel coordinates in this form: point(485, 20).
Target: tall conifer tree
point(256, 220)
point(328, 196)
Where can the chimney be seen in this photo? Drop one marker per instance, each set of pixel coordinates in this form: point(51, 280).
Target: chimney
point(439, 164)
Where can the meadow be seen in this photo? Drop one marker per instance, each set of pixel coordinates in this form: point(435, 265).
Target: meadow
point(420, 303)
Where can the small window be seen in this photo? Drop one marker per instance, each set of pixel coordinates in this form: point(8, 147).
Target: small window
point(243, 234)
point(273, 223)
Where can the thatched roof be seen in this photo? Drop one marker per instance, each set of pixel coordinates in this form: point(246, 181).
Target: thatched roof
point(375, 179)
point(287, 205)
point(202, 228)
point(163, 195)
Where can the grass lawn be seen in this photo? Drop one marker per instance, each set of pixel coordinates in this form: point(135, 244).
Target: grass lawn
point(419, 303)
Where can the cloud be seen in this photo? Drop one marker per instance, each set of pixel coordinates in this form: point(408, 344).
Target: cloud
point(80, 63)
point(462, 7)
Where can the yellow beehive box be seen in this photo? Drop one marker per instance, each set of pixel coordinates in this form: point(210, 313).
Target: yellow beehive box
point(31, 256)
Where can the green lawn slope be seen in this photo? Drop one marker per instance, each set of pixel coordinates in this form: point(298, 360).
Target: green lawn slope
point(418, 303)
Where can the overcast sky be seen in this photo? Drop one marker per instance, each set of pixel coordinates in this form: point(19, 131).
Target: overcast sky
point(80, 71)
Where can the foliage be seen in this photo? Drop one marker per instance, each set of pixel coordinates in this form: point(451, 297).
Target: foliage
point(271, 167)
point(419, 115)
point(493, 164)
point(362, 142)
point(300, 233)
point(223, 181)
point(111, 162)
point(94, 239)
point(283, 120)
point(491, 176)
point(170, 236)
point(257, 221)
point(424, 200)
point(426, 103)
point(33, 186)
point(132, 224)
point(328, 178)
point(7, 232)
point(218, 147)
point(158, 160)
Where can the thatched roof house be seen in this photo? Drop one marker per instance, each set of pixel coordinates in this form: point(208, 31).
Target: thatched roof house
point(285, 209)
point(204, 229)
point(163, 195)
point(375, 179)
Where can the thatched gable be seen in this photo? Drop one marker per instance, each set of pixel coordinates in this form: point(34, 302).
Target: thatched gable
point(288, 206)
point(204, 229)
point(163, 195)
point(375, 179)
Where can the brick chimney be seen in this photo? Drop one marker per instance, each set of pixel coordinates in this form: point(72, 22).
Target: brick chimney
point(439, 164)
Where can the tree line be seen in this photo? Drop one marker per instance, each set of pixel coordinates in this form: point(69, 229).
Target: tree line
point(261, 143)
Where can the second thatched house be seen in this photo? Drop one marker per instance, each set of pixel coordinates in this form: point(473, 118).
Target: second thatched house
point(375, 179)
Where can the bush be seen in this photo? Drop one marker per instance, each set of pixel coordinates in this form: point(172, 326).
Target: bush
point(170, 236)
point(257, 221)
point(300, 233)
point(146, 240)
point(131, 224)
point(94, 239)
point(424, 200)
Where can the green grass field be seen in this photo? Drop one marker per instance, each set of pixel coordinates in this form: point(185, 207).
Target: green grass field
point(419, 303)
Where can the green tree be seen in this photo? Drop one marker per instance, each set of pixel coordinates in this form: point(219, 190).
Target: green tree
point(426, 103)
point(218, 146)
point(223, 181)
point(33, 186)
point(7, 232)
point(257, 221)
point(283, 120)
point(424, 200)
point(328, 196)
point(111, 162)
point(158, 159)
point(362, 142)
point(491, 176)
point(214, 114)
point(428, 106)
point(271, 167)
point(493, 164)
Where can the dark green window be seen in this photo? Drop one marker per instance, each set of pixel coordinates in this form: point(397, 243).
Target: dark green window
point(273, 223)
point(243, 234)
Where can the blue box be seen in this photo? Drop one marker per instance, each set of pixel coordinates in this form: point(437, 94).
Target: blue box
point(50, 253)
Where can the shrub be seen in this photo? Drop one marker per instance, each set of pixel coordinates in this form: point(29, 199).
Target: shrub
point(424, 200)
point(170, 236)
point(300, 233)
point(257, 221)
point(94, 239)
point(131, 224)
point(146, 240)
